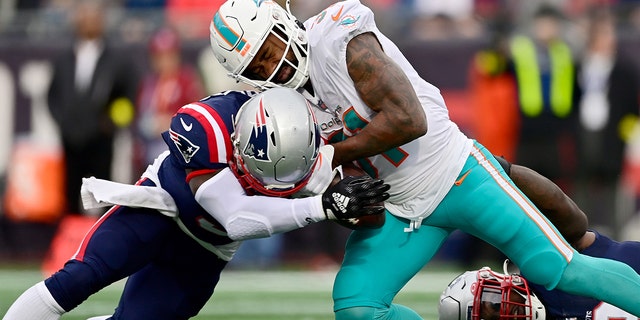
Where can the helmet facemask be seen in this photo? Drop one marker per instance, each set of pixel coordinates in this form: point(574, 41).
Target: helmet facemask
point(488, 295)
point(500, 296)
point(298, 63)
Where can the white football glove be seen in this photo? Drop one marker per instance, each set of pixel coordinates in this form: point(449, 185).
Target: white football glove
point(322, 174)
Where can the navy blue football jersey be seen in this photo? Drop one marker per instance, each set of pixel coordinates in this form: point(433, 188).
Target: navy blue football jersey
point(200, 133)
point(200, 138)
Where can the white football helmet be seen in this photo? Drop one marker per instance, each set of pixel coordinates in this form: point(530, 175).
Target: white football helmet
point(239, 29)
point(276, 142)
point(488, 295)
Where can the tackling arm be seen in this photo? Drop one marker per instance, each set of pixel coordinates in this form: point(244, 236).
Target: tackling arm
point(565, 214)
point(246, 217)
point(385, 88)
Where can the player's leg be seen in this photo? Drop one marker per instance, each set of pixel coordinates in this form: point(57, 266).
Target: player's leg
point(377, 264)
point(498, 213)
point(176, 285)
point(120, 243)
point(563, 212)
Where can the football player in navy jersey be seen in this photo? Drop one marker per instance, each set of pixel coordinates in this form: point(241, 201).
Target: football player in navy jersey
point(174, 231)
point(485, 294)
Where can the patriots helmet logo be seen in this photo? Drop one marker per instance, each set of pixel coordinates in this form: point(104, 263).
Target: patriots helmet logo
point(258, 144)
point(186, 147)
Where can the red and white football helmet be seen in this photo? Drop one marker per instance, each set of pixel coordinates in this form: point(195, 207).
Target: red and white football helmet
point(488, 295)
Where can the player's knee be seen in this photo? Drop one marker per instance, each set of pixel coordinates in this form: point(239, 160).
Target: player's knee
point(544, 269)
point(75, 283)
point(356, 313)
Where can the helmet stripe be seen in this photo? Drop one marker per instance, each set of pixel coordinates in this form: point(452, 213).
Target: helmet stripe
point(261, 119)
point(235, 41)
point(549, 230)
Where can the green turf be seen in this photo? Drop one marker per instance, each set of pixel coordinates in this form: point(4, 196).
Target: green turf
point(255, 295)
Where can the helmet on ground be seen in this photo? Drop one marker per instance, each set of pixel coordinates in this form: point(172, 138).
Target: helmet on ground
point(275, 142)
point(240, 27)
point(485, 294)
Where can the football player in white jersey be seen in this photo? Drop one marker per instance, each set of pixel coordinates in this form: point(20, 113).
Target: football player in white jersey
point(378, 112)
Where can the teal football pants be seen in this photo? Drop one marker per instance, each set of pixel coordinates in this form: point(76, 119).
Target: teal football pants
point(485, 203)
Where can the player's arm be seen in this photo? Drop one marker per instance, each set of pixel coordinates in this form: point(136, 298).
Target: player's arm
point(563, 212)
point(385, 88)
point(246, 217)
point(196, 179)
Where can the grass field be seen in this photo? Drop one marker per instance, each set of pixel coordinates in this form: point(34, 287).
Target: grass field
point(255, 295)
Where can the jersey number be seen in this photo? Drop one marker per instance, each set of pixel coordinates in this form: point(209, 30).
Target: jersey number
point(354, 123)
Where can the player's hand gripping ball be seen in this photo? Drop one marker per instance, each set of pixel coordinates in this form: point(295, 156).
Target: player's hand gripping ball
point(372, 221)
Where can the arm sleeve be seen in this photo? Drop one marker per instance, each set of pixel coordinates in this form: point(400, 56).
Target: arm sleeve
point(247, 217)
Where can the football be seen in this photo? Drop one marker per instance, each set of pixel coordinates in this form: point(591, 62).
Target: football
point(365, 222)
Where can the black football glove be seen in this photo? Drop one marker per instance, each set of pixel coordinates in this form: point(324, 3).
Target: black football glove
point(354, 197)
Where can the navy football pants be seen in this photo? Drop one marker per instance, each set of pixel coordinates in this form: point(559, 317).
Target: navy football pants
point(170, 275)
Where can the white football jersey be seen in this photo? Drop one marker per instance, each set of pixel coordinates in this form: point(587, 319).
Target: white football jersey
point(420, 172)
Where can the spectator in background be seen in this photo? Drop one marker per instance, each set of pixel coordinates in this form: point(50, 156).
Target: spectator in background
point(140, 18)
point(545, 78)
point(494, 95)
point(444, 20)
point(169, 85)
point(608, 84)
point(89, 98)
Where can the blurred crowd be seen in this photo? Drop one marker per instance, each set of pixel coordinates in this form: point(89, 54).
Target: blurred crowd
point(135, 20)
point(553, 85)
